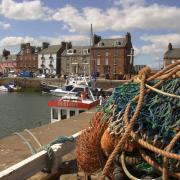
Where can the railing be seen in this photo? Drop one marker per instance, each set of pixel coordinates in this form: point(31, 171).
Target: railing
point(37, 162)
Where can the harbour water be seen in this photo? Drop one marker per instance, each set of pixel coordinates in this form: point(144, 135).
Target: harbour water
point(19, 111)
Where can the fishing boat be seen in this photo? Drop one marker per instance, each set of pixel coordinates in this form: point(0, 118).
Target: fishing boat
point(69, 83)
point(70, 105)
point(69, 89)
point(46, 87)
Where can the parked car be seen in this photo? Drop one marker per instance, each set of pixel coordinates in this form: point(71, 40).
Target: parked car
point(26, 74)
point(12, 74)
point(41, 76)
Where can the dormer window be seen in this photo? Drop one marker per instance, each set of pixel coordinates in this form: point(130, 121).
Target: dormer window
point(100, 44)
point(86, 51)
point(70, 51)
point(117, 43)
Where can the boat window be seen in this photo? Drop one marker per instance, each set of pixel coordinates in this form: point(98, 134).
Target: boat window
point(63, 114)
point(78, 89)
point(55, 113)
point(69, 88)
point(72, 113)
point(81, 111)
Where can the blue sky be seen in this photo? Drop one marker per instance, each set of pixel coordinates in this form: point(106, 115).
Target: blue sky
point(152, 23)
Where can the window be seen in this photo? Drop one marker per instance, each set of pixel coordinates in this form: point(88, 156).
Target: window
point(106, 61)
point(106, 53)
point(27, 50)
point(115, 61)
point(70, 51)
point(98, 61)
point(85, 51)
point(67, 67)
point(117, 43)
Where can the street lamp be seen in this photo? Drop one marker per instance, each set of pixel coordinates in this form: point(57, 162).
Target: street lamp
point(131, 60)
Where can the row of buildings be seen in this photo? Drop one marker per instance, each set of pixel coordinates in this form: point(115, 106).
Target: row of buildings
point(106, 57)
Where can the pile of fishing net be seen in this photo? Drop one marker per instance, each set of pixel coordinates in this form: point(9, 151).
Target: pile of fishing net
point(136, 132)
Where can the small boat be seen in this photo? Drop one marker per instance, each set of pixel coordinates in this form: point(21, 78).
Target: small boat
point(45, 87)
point(70, 105)
point(4, 88)
point(9, 87)
point(69, 89)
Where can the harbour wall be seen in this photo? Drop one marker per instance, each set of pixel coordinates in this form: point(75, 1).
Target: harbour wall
point(34, 83)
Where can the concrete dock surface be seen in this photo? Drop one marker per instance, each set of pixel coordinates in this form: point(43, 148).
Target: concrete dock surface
point(14, 150)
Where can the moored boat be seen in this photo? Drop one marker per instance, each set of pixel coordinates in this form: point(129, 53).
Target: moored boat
point(69, 89)
point(69, 106)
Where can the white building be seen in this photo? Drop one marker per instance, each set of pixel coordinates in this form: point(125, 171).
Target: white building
point(49, 59)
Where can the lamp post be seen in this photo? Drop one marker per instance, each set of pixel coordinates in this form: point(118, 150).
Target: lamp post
point(131, 60)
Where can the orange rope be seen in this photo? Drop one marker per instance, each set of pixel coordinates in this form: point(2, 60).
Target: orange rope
point(129, 124)
point(153, 148)
point(165, 159)
point(127, 132)
point(156, 165)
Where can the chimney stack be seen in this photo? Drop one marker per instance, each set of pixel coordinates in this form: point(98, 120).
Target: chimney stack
point(45, 45)
point(169, 46)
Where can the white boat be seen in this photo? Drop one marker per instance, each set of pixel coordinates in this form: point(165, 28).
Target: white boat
point(9, 87)
point(3, 88)
point(67, 89)
point(78, 80)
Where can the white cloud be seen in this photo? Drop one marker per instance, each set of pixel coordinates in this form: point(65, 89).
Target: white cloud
point(128, 3)
point(16, 41)
point(134, 16)
point(159, 43)
point(123, 15)
point(4, 25)
point(75, 39)
point(26, 10)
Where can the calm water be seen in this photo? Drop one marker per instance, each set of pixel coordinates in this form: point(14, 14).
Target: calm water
point(19, 111)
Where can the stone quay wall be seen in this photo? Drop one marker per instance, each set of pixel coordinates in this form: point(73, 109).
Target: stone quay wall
point(34, 83)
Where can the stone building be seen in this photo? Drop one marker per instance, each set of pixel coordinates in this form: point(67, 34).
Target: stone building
point(112, 58)
point(49, 58)
point(27, 58)
point(171, 55)
point(76, 60)
point(7, 62)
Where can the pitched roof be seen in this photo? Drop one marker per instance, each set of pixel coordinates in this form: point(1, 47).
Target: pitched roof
point(172, 54)
point(79, 50)
point(117, 42)
point(51, 49)
point(11, 57)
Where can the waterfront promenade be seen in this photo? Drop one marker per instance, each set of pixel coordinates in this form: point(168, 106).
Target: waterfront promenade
point(14, 150)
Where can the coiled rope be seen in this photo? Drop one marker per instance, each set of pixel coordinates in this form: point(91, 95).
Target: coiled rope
point(169, 71)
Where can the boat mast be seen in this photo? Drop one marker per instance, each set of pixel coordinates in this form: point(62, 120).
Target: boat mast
point(91, 63)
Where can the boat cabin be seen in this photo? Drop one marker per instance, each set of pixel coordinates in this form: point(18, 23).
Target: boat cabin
point(64, 108)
